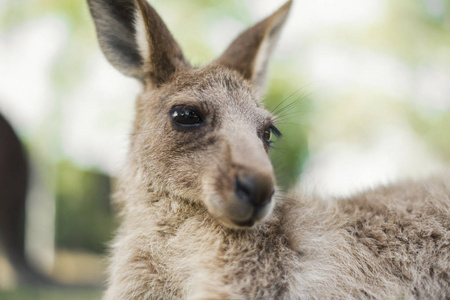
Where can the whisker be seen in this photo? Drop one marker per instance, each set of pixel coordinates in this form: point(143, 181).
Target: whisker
point(297, 100)
point(274, 111)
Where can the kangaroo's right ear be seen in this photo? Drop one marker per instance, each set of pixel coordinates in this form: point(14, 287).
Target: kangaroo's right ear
point(135, 40)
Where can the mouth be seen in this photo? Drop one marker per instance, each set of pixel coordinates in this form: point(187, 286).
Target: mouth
point(247, 224)
point(239, 214)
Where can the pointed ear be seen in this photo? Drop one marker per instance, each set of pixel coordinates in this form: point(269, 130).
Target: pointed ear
point(135, 40)
point(249, 53)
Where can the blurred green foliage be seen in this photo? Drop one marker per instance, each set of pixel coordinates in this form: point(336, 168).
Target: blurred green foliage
point(291, 104)
point(435, 129)
point(83, 216)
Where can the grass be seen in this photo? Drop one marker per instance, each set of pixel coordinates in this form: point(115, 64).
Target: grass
point(50, 294)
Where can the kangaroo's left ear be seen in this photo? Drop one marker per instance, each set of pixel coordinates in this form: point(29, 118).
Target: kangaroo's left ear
point(249, 53)
point(136, 41)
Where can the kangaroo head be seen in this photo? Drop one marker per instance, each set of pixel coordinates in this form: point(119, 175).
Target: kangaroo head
point(200, 133)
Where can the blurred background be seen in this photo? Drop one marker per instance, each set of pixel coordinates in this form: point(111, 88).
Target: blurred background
point(362, 90)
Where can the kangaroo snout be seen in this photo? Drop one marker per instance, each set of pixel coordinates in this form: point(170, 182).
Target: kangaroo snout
point(254, 196)
point(241, 193)
point(254, 189)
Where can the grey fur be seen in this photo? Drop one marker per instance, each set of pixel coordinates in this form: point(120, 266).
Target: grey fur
point(178, 240)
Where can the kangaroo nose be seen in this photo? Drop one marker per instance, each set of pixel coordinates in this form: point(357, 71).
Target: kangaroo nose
point(253, 189)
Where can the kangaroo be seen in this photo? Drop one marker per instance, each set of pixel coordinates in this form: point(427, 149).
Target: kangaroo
point(199, 217)
point(14, 178)
point(14, 185)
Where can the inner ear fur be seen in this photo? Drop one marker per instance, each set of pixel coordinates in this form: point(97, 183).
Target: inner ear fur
point(249, 53)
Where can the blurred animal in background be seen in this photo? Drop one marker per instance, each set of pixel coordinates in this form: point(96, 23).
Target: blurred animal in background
point(14, 174)
point(14, 185)
point(196, 197)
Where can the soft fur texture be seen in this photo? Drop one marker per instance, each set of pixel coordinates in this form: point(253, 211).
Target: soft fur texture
point(182, 234)
point(392, 243)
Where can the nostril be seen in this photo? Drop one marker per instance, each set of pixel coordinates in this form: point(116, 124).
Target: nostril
point(244, 188)
point(254, 190)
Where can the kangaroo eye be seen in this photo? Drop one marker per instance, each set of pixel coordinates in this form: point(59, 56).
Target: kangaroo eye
point(185, 117)
point(267, 135)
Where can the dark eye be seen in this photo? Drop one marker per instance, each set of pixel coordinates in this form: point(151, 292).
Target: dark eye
point(185, 116)
point(267, 135)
